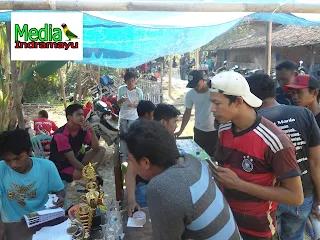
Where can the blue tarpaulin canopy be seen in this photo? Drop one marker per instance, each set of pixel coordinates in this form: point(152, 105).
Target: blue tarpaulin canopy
point(128, 39)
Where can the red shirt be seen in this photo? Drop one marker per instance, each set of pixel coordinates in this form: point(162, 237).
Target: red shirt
point(64, 142)
point(44, 126)
point(262, 154)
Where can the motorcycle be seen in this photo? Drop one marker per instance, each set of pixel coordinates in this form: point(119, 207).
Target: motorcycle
point(104, 122)
point(220, 69)
point(254, 71)
point(301, 68)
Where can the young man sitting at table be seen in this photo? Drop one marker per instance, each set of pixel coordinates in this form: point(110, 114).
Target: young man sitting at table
point(67, 142)
point(145, 111)
point(25, 181)
point(136, 186)
point(183, 199)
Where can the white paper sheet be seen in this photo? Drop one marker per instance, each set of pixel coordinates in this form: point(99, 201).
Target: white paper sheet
point(57, 232)
point(132, 223)
point(52, 198)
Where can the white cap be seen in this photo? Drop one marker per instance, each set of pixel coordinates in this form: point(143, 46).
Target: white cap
point(234, 84)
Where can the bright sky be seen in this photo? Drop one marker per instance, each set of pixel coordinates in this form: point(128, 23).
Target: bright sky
point(187, 19)
point(183, 19)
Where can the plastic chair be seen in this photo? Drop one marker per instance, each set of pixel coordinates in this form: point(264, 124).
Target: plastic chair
point(37, 146)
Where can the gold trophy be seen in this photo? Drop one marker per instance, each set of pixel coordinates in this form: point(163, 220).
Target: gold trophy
point(92, 199)
point(84, 215)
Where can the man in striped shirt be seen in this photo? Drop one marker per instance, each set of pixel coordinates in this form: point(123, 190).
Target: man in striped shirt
point(183, 199)
point(258, 160)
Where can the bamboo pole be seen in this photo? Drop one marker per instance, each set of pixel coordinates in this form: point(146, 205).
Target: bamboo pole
point(197, 59)
point(63, 90)
point(161, 79)
point(268, 47)
point(170, 77)
point(168, 6)
point(313, 55)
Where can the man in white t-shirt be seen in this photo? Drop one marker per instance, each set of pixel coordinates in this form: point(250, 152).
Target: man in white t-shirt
point(128, 98)
point(205, 134)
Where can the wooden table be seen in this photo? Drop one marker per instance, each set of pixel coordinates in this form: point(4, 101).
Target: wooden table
point(20, 231)
point(144, 233)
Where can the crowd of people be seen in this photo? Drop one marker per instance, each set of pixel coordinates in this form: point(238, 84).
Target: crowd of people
point(264, 136)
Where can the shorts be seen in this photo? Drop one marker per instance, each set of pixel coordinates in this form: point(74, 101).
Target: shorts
point(206, 140)
point(66, 174)
point(250, 237)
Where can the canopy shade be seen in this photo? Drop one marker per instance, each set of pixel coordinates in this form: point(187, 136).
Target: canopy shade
point(129, 39)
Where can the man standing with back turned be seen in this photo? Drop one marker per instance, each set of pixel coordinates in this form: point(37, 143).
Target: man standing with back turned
point(300, 125)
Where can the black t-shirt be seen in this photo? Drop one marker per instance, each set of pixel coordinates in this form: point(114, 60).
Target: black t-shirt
point(317, 117)
point(301, 126)
point(140, 180)
point(283, 98)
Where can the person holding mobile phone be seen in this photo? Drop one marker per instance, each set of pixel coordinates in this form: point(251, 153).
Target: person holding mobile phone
point(257, 168)
point(128, 99)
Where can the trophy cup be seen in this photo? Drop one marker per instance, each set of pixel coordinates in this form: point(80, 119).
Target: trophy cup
point(84, 216)
point(93, 198)
point(76, 230)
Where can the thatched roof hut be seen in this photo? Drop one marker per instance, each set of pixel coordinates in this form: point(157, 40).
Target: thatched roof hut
point(283, 36)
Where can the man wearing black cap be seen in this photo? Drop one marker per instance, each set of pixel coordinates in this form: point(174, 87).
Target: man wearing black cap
point(205, 134)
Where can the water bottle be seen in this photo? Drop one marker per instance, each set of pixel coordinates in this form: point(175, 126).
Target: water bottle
point(316, 224)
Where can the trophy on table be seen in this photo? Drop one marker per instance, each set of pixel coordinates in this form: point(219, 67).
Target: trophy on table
point(85, 211)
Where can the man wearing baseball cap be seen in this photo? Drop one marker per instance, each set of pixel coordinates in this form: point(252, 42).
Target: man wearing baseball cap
point(205, 134)
point(257, 161)
point(305, 93)
point(300, 125)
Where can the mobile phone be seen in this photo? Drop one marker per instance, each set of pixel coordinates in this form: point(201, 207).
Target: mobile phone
point(212, 164)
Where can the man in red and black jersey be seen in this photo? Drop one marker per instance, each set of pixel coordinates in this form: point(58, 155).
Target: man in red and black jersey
point(67, 142)
point(258, 166)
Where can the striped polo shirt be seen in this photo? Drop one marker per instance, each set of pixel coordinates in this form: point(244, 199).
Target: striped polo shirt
point(262, 154)
point(185, 203)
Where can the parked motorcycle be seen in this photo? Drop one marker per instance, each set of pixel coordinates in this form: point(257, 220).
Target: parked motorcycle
point(104, 122)
point(301, 68)
point(220, 69)
point(253, 71)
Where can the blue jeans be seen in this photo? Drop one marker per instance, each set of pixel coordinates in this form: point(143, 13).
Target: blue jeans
point(292, 220)
point(141, 190)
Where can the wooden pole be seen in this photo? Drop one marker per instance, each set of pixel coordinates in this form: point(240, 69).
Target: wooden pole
point(313, 55)
point(268, 47)
point(161, 79)
point(168, 6)
point(170, 76)
point(63, 90)
point(197, 59)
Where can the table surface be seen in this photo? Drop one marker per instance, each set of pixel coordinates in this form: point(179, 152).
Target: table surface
point(144, 233)
point(20, 231)
point(191, 147)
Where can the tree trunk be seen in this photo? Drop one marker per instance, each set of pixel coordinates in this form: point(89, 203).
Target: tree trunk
point(77, 92)
point(14, 81)
point(63, 91)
